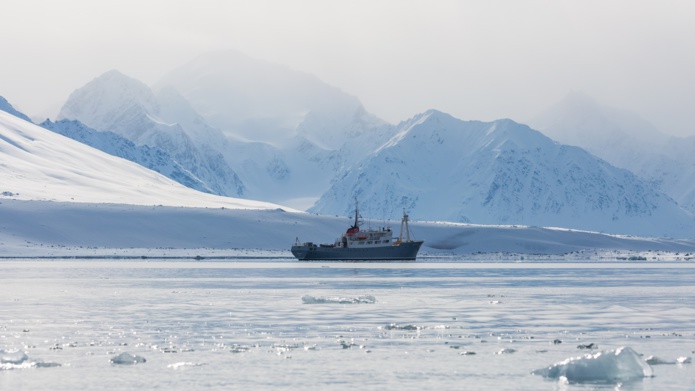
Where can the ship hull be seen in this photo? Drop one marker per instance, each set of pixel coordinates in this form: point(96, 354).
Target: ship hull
point(406, 251)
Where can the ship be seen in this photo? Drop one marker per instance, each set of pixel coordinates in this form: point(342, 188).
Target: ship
point(363, 245)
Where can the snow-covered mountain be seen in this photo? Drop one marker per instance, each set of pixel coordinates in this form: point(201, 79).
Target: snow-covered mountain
point(625, 140)
point(289, 164)
point(38, 164)
point(117, 103)
point(113, 144)
point(441, 168)
point(59, 197)
point(289, 132)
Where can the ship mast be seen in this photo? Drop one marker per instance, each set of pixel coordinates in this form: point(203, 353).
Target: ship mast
point(404, 222)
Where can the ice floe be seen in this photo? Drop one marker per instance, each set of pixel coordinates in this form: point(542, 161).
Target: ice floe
point(17, 359)
point(364, 299)
point(127, 359)
point(653, 360)
point(618, 365)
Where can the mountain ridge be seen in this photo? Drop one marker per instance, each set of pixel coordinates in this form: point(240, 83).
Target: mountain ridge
point(500, 172)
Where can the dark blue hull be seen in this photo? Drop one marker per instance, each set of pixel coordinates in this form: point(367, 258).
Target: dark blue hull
point(406, 251)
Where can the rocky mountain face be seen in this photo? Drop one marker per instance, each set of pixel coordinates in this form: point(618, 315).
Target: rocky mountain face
point(441, 168)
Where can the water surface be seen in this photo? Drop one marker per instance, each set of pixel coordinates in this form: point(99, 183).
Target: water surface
point(285, 324)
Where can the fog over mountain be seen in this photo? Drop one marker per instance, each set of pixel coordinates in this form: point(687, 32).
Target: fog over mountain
point(625, 140)
point(261, 101)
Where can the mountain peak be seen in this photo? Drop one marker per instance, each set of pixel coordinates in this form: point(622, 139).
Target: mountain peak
point(112, 101)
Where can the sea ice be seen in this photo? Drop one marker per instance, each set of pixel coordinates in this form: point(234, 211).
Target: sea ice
point(364, 299)
point(653, 360)
point(622, 364)
point(12, 357)
point(16, 359)
point(127, 359)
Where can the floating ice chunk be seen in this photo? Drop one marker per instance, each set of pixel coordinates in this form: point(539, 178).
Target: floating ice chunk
point(12, 357)
point(506, 351)
point(16, 359)
point(127, 359)
point(653, 360)
point(609, 366)
point(364, 299)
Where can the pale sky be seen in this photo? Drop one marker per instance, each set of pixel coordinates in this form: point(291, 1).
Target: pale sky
point(473, 59)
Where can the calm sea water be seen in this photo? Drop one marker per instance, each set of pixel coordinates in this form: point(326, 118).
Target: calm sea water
point(316, 326)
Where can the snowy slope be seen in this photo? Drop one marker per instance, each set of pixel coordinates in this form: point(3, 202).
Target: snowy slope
point(442, 168)
point(117, 103)
point(37, 164)
point(625, 140)
point(36, 228)
point(153, 158)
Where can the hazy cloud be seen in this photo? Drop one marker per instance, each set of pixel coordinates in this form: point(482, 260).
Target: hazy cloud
point(473, 59)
